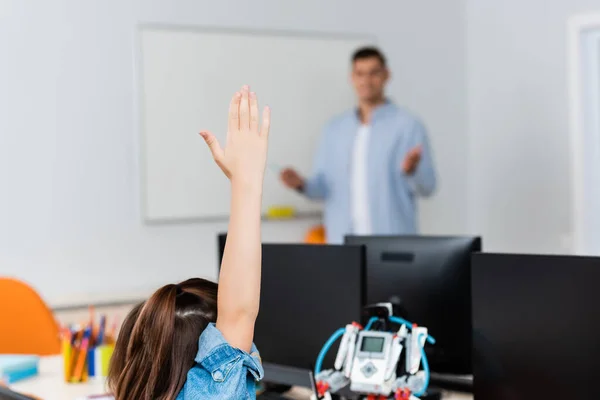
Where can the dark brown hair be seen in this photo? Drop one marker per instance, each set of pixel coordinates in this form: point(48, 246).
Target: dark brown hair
point(369, 52)
point(158, 341)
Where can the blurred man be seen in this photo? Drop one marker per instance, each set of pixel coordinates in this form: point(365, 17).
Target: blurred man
point(372, 162)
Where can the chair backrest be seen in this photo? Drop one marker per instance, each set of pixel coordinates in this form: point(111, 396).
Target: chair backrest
point(27, 325)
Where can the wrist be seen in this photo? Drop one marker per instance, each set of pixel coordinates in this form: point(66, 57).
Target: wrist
point(301, 186)
point(248, 187)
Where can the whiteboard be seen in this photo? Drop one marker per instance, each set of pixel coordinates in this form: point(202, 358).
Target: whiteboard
point(186, 79)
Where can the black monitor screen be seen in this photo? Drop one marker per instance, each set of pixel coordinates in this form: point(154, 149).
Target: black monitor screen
point(428, 278)
point(536, 324)
point(221, 239)
point(307, 293)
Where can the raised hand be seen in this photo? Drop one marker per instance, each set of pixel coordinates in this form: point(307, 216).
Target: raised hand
point(244, 157)
point(292, 179)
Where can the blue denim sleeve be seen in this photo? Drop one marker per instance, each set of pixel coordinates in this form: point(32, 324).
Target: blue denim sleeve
point(222, 371)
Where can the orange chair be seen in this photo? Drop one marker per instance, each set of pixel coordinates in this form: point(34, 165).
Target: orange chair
point(27, 325)
point(316, 235)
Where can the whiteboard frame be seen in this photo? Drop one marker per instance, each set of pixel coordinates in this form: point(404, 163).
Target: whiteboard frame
point(577, 27)
point(139, 106)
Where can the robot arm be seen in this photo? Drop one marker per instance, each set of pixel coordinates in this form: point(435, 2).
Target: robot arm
point(414, 343)
point(343, 359)
point(351, 351)
point(320, 391)
point(341, 354)
point(331, 381)
point(396, 352)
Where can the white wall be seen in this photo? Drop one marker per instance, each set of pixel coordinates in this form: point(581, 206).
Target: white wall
point(68, 169)
point(519, 184)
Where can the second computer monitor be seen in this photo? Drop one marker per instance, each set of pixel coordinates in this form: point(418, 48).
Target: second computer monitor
point(307, 293)
point(428, 278)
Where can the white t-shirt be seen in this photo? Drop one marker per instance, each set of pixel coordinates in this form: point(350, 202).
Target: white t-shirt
point(361, 218)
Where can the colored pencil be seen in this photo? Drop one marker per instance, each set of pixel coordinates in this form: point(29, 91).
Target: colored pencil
point(81, 356)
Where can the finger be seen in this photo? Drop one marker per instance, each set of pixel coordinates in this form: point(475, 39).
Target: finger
point(234, 113)
point(253, 112)
point(413, 155)
point(417, 153)
point(213, 145)
point(244, 109)
point(405, 167)
point(266, 122)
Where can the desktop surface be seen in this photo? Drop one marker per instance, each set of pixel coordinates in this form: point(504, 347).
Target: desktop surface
point(535, 327)
point(49, 385)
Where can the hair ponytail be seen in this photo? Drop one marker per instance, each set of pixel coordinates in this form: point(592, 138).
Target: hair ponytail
point(159, 340)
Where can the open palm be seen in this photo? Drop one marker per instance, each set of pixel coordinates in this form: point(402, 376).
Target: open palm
point(245, 154)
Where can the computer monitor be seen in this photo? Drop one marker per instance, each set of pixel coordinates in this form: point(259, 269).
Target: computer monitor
point(429, 279)
point(221, 239)
point(307, 293)
point(535, 327)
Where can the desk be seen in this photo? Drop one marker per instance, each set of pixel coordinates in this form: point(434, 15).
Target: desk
point(50, 385)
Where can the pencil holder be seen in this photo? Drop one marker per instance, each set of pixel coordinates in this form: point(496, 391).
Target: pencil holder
point(99, 360)
point(87, 349)
point(66, 352)
point(74, 364)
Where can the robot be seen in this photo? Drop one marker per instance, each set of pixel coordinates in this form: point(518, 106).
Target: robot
point(368, 360)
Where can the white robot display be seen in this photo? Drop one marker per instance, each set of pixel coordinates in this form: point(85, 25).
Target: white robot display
point(368, 360)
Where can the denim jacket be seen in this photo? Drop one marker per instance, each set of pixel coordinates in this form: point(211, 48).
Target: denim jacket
point(221, 371)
